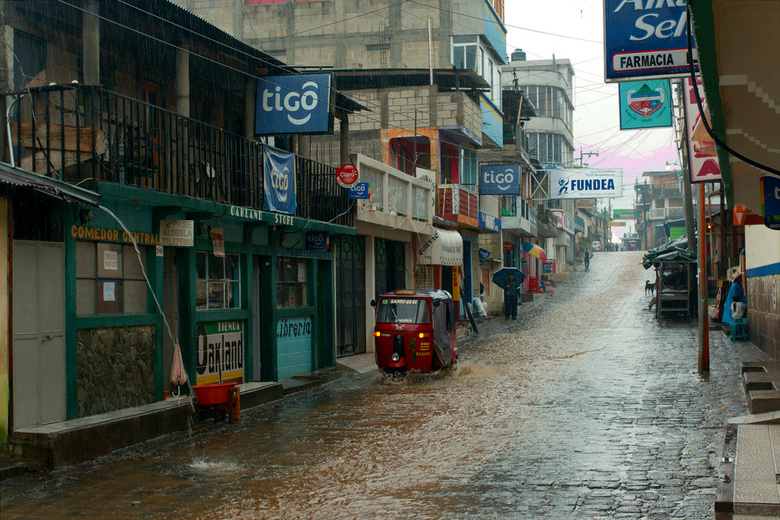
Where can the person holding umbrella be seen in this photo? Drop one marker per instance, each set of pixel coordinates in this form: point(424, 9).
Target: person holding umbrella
point(511, 289)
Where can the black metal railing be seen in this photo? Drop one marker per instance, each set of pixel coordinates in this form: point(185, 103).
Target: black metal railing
point(80, 133)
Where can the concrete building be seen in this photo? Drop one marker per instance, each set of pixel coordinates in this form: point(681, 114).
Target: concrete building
point(430, 73)
point(548, 85)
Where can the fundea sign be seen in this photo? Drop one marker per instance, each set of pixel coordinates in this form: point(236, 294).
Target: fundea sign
point(586, 183)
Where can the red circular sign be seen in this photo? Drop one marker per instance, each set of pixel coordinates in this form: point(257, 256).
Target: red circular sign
point(508, 246)
point(347, 175)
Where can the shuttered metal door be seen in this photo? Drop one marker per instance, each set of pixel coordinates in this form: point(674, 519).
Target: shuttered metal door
point(350, 295)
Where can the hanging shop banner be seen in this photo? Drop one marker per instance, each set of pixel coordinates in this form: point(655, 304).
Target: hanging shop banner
point(564, 221)
point(177, 233)
point(294, 104)
point(645, 39)
point(499, 179)
point(216, 240)
point(586, 183)
point(770, 196)
point(618, 214)
point(645, 104)
point(279, 186)
point(702, 154)
point(489, 222)
point(317, 241)
point(220, 352)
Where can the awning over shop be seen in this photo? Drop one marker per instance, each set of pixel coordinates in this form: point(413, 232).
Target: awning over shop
point(48, 185)
point(443, 248)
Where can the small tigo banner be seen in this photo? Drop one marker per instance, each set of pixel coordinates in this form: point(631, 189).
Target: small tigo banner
point(279, 174)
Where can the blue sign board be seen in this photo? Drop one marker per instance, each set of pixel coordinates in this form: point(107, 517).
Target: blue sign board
point(317, 241)
point(279, 175)
point(645, 104)
point(360, 190)
point(770, 193)
point(645, 39)
point(295, 104)
point(488, 221)
point(499, 179)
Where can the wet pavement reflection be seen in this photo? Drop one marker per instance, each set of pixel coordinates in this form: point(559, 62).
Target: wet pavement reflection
point(586, 407)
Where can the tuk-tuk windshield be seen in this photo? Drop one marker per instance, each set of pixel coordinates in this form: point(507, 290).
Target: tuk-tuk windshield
point(403, 310)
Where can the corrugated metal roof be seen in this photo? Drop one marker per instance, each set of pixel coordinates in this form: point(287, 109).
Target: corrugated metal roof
point(47, 185)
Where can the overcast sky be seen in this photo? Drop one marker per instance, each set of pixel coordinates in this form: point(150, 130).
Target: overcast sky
point(574, 29)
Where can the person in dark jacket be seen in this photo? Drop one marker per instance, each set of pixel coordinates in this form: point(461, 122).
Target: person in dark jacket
point(511, 291)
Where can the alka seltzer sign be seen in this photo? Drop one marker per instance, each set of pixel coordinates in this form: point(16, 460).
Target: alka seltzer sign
point(645, 39)
point(220, 352)
point(294, 104)
point(586, 183)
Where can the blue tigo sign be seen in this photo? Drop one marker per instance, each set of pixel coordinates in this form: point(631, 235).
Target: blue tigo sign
point(296, 104)
point(645, 104)
point(279, 175)
point(499, 180)
point(317, 241)
point(359, 191)
point(645, 39)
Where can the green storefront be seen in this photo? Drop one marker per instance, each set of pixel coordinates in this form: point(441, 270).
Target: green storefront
point(245, 292)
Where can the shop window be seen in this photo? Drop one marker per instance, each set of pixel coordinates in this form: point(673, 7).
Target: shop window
point(109, 280)
point(291, 276)
point(218, 284)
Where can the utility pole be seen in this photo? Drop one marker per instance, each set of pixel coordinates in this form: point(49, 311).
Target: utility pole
point(588, 154)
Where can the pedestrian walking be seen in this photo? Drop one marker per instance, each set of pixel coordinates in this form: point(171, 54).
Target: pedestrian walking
point(511, 290)
point(586, 255)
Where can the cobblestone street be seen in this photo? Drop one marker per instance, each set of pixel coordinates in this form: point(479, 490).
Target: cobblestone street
point(586, 407)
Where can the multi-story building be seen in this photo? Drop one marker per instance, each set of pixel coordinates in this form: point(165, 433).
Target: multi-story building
point(143, 213)
point(430, 73)
point(663, 202)
point(548, 85)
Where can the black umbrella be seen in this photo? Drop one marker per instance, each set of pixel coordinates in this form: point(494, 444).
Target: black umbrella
point(502, 275)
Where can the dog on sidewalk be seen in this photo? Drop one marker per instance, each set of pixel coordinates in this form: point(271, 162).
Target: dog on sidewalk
point(649, 287)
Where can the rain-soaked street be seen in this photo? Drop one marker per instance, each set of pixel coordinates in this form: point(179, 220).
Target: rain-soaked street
point(586, 407)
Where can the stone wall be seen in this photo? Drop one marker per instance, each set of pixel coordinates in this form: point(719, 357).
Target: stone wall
point(764, 314)
point(115, 368)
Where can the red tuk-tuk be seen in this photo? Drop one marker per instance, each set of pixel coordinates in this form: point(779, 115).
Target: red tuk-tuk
point(415, 330)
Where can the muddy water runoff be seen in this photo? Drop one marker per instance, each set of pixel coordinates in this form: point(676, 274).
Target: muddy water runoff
point(585, 407)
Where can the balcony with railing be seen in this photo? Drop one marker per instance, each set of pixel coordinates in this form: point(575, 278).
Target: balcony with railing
point(82, 133)
point(396, 199)
point(458, 204)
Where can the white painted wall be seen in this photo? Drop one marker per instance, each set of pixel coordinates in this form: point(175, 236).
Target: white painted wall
point(762, 246)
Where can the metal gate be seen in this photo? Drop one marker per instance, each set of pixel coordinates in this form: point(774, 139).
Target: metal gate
point(389, 266)
point(350, 295)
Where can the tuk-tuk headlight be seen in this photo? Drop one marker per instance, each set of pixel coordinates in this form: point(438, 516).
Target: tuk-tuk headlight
point(396, 357)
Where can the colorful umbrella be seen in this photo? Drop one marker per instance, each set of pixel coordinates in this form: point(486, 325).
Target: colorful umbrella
point(534, 250)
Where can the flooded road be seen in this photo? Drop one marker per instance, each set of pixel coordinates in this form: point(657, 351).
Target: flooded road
point(585, 407)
